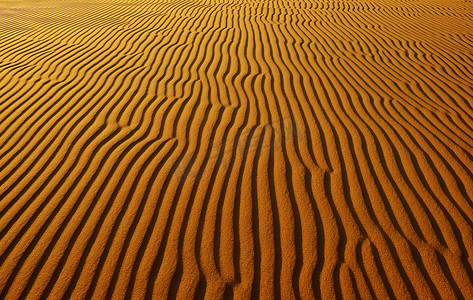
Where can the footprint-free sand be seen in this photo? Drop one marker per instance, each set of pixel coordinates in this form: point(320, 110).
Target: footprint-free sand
point(236, 149)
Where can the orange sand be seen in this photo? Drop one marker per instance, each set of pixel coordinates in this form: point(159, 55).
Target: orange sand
point(236, 148)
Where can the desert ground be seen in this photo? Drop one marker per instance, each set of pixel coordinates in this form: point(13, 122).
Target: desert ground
point(276, 149)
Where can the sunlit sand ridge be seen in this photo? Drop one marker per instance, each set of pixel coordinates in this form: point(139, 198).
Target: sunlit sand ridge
point(273, 149)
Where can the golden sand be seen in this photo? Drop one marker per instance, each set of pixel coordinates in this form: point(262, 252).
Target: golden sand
point(236, 148)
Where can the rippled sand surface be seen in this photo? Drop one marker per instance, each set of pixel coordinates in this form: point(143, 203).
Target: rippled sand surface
point(236, 148)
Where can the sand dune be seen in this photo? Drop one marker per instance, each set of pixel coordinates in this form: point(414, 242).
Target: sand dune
point(238, 148)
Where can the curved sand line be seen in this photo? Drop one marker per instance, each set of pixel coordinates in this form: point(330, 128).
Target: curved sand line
point(246, 149)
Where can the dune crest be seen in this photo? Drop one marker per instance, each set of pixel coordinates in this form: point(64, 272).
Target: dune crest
point(242, 148)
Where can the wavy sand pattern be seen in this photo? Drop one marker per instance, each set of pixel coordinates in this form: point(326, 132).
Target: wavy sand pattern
point(236, 148)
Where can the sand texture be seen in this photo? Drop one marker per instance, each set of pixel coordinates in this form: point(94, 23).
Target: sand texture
point(236, 149)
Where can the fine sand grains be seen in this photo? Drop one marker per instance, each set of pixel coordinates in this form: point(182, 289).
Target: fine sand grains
point(236, 148)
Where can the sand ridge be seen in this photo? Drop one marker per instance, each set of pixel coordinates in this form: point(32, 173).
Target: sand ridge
point(246, 149)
